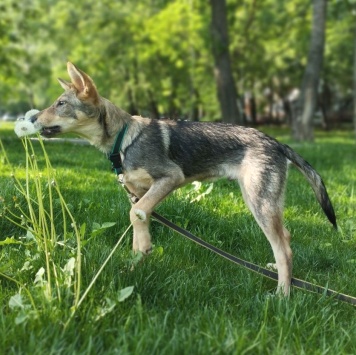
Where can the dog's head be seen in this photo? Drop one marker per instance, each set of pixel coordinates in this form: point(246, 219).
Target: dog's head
point(75, 111)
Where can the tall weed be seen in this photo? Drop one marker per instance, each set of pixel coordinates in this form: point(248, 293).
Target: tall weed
point(51, 242)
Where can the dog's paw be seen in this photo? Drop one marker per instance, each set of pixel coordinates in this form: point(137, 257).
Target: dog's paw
point(148, 250)
point(271, 266)
point(141, 215)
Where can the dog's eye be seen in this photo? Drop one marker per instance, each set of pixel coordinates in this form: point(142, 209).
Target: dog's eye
point(61, 103)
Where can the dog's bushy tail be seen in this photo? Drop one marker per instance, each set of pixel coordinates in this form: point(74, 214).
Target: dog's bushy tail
point(315, 181)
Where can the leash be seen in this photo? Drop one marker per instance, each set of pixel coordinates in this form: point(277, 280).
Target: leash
point(300, 284)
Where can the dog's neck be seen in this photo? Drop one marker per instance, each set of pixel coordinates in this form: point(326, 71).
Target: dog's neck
point(110, 121)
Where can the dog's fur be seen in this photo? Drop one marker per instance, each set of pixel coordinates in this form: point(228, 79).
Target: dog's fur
point(159, 156)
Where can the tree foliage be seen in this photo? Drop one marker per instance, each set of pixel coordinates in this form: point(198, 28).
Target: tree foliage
point(154, 57)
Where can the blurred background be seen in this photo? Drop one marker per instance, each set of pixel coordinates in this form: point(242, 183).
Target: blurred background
point(243, 61)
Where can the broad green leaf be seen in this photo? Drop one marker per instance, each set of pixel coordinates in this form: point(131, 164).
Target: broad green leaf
point(125, 293)
point(82, 230)
point(29, 235)
point(108, 224)
point(40, 276)
point(21, 317)
point(10, 240)
point(16, 301)
point(99, 229)
point(69, 266)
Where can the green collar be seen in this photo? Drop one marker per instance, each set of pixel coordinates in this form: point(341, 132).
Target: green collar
point(114, 156)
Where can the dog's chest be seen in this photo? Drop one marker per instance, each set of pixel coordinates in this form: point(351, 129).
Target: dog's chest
point(139, 178)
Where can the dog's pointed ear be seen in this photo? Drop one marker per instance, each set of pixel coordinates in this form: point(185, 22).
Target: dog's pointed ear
point(65, 84)
point(83, 84)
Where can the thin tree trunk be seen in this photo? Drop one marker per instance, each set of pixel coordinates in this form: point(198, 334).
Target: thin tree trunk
point(153, 106)
point(132, 107)
point(226, 89)
point(354, 93)
point(303, 122)
point(194, 111)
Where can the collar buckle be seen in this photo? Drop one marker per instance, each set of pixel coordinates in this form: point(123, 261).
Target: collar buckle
point(116, 162)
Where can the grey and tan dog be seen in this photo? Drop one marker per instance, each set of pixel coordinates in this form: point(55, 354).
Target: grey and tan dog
point(159, 156)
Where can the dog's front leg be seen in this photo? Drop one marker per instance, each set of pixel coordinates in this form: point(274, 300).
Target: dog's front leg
point(141, 234)
point(141, 212)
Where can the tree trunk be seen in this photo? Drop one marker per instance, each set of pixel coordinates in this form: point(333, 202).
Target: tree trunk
point(194, 111)
point(325, 102)
point(303, 121)
point(132, 106)
point(153, 106)
point(226, 89)
point(354, 93)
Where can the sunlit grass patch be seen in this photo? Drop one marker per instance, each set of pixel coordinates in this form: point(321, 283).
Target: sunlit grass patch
point(185, 298)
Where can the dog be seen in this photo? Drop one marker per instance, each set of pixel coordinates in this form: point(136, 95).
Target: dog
point(159, 156)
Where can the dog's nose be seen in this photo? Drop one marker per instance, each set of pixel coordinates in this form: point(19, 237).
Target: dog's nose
point(33, 118)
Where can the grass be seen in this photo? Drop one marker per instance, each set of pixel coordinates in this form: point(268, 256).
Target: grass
point(185, 299)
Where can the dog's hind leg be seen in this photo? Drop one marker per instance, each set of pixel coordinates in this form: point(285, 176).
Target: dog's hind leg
point(262, 190)
point(279, 238)
point(271, 222)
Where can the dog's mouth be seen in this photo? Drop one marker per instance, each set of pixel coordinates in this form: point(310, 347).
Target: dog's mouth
point(50, 131)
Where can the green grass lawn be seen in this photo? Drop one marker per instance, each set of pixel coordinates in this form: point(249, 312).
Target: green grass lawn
point(185, 300)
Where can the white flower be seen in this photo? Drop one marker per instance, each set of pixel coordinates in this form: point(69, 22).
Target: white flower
point(24, 128)
point(30, 113)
